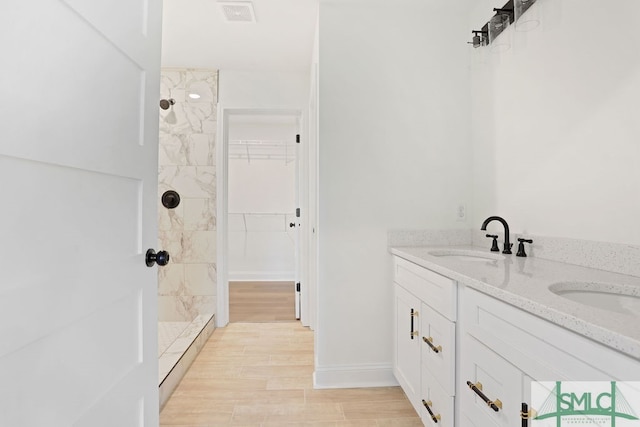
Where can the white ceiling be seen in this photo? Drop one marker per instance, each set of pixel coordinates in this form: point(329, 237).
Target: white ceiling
point(196, 35)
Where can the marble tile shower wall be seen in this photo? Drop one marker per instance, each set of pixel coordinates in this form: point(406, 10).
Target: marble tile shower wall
point(187, 285)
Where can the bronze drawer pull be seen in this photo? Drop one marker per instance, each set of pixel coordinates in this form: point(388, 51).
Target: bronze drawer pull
point(429, 342)
point(413, 314)
point(427, 404)
point(496, 405)
point(526, 414)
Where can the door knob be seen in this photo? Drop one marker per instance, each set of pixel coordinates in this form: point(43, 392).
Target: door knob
point(292, 224)
point(162, 258)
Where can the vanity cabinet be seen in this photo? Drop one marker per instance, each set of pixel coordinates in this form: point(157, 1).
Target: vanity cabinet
point(470, 358)
point(424, 356)
point(494, 382)
point(505, 349)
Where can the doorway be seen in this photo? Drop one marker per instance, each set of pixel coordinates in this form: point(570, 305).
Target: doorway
point(259, 209)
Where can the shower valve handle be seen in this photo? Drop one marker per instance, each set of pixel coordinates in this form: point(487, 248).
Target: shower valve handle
point(162, 258)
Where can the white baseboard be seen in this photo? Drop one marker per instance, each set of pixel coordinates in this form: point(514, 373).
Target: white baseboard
point(354, 376)
point(262, 276)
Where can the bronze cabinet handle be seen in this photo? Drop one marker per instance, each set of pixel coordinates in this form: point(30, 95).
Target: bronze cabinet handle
point(413, 314)
point(526, 414)
point(429, 342)
point(427, 404)
point(496, 405)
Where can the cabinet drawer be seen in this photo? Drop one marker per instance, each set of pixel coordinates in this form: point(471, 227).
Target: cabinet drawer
point(439, 401)
point(539, 347)
point(438, 347)
point(500, 380)
point(436, 290)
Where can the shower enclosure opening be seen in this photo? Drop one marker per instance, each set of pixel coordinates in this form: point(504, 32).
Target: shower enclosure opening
point(186, 219)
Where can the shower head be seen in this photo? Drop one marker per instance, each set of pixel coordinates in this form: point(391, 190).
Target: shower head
point(171, 118)
point(166, 103)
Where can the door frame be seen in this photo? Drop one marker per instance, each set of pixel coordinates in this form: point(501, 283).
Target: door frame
point(222, 207)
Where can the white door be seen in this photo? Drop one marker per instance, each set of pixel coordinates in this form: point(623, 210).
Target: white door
point(298, 220)
point(78, 183)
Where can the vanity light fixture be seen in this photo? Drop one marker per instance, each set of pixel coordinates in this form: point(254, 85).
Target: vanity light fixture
point(497, 25)
point(505, 11)
point(513, 12)
point(194, 95)
point(528, 22)
point(501, 20)
point(480, 38)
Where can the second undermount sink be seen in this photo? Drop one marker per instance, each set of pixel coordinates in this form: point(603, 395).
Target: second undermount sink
point(607, 296)
point(467, 255)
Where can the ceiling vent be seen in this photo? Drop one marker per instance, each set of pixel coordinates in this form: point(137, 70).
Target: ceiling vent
point(238, 11)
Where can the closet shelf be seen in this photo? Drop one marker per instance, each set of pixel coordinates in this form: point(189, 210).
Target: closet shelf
point(262, 149)
point(251, 222)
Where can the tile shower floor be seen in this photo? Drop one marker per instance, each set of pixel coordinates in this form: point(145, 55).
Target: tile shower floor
point(167, 334)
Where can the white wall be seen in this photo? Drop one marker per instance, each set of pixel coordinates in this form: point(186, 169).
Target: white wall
point(394, 152)
point(261, 248)
point(556, 123)
point(261, 186)
point(310, 202)
point(263, 89)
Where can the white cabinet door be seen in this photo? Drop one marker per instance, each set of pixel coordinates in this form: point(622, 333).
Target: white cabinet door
point(407, 344)
point(437, 404)
point(438, 341)
point(78, 173)
point(501, 384)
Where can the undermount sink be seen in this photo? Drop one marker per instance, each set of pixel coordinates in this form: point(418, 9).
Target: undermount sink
point(467, 255)
point(607, 296)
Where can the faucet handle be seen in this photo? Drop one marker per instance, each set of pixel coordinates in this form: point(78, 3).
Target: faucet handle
point(521, 243)
point(494, 244)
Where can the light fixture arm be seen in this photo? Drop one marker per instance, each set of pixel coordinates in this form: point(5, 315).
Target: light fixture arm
point(503, 11)
point(480, 38)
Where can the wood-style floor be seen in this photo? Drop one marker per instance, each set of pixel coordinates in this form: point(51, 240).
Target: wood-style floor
point(261, 301)
point(260, 374)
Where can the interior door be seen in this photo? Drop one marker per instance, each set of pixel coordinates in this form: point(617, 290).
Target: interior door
point(78, 174)
point(297, 233)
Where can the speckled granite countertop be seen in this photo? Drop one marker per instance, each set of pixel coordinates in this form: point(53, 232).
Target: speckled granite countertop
point(524, 283)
